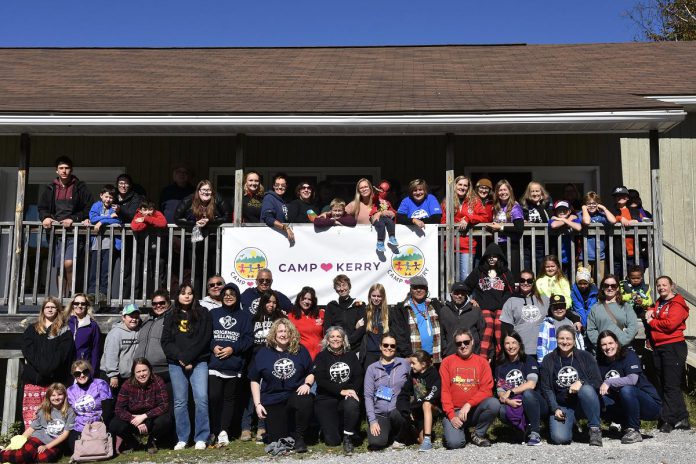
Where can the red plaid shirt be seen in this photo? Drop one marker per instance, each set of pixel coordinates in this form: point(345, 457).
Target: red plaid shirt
point(152, 400)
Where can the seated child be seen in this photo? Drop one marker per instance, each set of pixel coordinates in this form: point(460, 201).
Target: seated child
point(419, 400)
point(383, 216)
point(636, 290)
point(336, 216)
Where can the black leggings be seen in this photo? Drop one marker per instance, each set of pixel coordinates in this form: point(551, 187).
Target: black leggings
point(382, 224)
point(279, 417)
point(335, 416)
point(223, 395)
point(158, 429)
point(670, 362)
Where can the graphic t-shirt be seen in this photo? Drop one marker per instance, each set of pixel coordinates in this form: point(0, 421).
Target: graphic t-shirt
point(428, 207)
point(629, 364)
point(280, 373)
point(49, 430)
point(514, 374)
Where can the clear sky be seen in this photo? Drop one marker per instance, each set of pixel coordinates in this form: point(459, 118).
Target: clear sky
point(204, 23)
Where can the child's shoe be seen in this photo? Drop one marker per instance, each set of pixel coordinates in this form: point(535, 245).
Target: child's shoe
point(427, 445)
point(380, 247)
point(393, 241)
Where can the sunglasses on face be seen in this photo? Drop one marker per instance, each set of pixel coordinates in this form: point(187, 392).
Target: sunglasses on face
point(389, 346)
point(527, 281)
point(78, 374)
point(159, 303)
point(264, 281)
point(419, 287)
point(215, 284)
point(79, 303)
point(612, 286)
point(463, 343)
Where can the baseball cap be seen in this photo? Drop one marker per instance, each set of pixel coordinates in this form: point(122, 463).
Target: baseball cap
point(418, 281)
point(561, 204)
point(557, 300)
point(620, 190)
point(130, 309)
point(458, 287)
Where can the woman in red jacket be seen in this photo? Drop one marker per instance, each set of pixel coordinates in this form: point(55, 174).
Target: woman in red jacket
point(468, 211)
point(667, 322)
point(309, 320)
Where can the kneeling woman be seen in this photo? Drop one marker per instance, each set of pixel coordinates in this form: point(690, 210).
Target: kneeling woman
point(627, 394)
point(516, 378)
point(142, 408)
point(339, 379)
point(569, 381)
point(281, 378)
point(384, 380)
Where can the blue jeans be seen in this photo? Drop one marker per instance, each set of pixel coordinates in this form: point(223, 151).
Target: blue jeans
point(534, 406)
point(629, 405)
point(198, 378)
point(464, 266)
point(104, 273)
point(480, 417)
point(585, 405)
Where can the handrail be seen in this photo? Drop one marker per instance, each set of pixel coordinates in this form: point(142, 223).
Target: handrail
point(678, 252)
point(688, 296)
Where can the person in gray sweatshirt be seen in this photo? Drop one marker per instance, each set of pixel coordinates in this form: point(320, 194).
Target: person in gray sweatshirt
point(150, 335)
point(119, 347)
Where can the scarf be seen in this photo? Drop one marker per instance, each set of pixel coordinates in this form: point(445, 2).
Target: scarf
point(415, 335)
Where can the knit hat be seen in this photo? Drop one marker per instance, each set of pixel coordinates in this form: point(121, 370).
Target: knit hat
point(583, 274)
point(484, 181)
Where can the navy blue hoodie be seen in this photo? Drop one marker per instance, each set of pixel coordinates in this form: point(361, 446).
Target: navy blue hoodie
point(273, 207)
point(231, 327)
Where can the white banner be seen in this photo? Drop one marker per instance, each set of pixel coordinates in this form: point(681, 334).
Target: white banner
point(317, 257)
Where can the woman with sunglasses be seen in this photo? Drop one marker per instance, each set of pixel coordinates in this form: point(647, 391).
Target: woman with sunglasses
point(667, 323)
point(274, 210)
point(89, 397)
point(150, 336)
point(524, 312)
point(302, 209)
point(383, 382)
point(85, 332)
point(612, 313)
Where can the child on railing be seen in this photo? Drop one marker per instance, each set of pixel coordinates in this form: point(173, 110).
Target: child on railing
point(148, 222)
point(383, 216)
point(594, 212)
point(634, 289)
point(336, 217)
point(563, 222)
point(102, 213)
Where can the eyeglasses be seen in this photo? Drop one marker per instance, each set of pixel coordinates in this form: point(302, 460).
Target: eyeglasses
point(264, 281)
point(526, 281)
point(205, 190)
point(305, 187)
point(78, 374)
point(591, 204)
point(159, 303)
point(80, 303)
point(215, 284)
point(388, 346)
point(612, 286)
point(463, 343)
point(280, 186)
point(483, 187)
point(123, 183)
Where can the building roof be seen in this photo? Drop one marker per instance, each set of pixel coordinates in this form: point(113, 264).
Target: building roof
point(346, 80)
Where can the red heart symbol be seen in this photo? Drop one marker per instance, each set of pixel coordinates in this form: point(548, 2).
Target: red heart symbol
point(407, 281)
point(250, 283)
point(326, 266)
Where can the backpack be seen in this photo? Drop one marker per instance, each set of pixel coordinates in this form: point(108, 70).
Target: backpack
point(95, 444)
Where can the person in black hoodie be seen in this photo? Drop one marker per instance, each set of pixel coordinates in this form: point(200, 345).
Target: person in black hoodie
point(420, 398)
point(186, 338)
point(274, 210)
point(345, 312)
point(302, 209)
point(339, 377)
point(460, 313)
point(47, 348)
point(535, 206)
point(65, 201)
point(232, 338)
point(490, 285)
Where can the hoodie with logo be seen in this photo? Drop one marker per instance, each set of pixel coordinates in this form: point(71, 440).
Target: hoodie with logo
point(119, 351)
point(232, 327)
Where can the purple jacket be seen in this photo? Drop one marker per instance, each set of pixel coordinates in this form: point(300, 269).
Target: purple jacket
point(375, 377)
point(86, 340)
point(87, 402)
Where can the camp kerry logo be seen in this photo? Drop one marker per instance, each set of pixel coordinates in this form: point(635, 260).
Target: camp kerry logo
point(248, 262)
point(408, 261)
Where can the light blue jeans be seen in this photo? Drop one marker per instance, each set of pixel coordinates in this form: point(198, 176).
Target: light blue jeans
point(464, 267)
point(198, 379)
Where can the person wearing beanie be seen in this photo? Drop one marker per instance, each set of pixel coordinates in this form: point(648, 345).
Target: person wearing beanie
point(583, 295)
point(419, 321)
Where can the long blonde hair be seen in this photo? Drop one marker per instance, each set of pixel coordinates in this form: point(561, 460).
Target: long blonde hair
point(259, 192)
point(358, 199)
point(528, 192)
point(370, 310)
point(57, 324)
point(294, 335)
point(496, 201)
point(470, 198)
point(46, 405)
point(71, 308)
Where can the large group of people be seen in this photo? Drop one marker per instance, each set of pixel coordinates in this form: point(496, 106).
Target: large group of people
point(513, 349)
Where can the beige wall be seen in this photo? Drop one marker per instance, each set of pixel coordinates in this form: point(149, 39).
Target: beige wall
point(677, 187)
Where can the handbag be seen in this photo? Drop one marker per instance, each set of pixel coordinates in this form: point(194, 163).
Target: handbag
point(95, 444)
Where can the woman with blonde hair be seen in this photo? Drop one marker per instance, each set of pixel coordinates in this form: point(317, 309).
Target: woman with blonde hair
point(506, 210)
point(84, 330)
point(361, 205)
point(47, 348)
point(469, 210)
point(281, 379)
point(535, 204)
point(253, 197)
point(90, 398)
point(377, 321)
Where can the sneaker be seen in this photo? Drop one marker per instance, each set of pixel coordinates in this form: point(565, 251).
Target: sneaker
point(683, 425)
point(152, 447)
point(210, 442)
point(393, 241)
point(397, 445)
point(631, 436)
point(380, 247)
point(427, 445)
point(200, 445)
point(666, 427)
point(179, 446)
point(223, 439)
point(595, 436)
point(614, 427)
point(246, 435)
point(259, 435)
point(348, 445)
point(480, 441)
point(300, 446)
point(534, 439)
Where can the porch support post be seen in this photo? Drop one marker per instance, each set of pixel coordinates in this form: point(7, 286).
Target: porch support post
point(656, 201)
point(449, 203)
point(13, 291)
point(9, 407)
point(239, 178)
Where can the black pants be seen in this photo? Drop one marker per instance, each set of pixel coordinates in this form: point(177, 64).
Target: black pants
point(335, 416)
point(223, 395)
point(389, 429)
point(280, 417)
point(384, 224)
point(158, 428)
point(670, 360)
